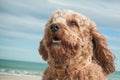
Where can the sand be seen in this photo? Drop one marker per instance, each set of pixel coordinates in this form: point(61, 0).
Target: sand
point(19, 78)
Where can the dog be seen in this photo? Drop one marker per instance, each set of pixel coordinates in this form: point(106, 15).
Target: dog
point(74, 48)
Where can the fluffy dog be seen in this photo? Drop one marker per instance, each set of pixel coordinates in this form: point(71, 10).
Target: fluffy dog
point(74, 49)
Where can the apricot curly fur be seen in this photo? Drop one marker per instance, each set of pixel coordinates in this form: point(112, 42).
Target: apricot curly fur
point(76, 50)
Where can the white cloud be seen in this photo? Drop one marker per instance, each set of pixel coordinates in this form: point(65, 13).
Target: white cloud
point(115, 48)
point(22, 35)
point(21, 22)
point(26, 7)
point(56, 2)
point(18, 6)
point(25, 27)
point(14, 49)
point(113, 38)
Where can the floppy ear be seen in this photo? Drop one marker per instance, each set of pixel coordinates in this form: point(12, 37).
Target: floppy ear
point(42, 51)
point(102, 54)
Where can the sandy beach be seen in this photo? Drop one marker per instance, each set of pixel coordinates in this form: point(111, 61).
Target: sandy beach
point(19, 78)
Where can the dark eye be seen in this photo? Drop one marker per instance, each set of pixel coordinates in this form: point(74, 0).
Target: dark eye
point(73, 23)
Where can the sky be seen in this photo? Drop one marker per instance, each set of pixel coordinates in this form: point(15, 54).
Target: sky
point(22, 24)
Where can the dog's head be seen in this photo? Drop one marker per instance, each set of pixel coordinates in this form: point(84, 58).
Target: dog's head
point(69, 34)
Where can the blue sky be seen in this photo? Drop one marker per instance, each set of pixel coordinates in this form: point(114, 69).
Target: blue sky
point(22, 24)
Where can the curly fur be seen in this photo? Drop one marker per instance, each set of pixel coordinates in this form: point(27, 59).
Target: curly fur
point(82, 53)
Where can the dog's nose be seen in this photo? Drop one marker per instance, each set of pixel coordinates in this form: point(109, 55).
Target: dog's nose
point(54, 27)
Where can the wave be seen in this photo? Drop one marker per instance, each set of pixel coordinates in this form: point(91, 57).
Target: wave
point(16, 72)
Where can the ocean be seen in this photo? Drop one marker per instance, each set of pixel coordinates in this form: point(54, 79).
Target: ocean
point(21, 68)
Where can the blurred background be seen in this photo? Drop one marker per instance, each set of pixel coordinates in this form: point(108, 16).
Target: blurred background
point(22, 24)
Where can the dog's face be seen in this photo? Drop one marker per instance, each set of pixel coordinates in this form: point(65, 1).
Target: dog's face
point(67, 33)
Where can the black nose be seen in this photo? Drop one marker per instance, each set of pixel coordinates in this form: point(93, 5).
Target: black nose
point(54, 27)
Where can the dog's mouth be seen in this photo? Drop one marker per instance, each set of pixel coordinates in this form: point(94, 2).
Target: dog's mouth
point(56, 40)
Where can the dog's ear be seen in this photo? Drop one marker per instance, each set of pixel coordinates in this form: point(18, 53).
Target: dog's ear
point(102, 54)
point(42, 51)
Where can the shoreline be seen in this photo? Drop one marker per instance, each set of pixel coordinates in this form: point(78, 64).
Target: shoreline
point(12, 77)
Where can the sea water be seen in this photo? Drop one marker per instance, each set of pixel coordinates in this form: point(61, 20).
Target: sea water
point(21, 68)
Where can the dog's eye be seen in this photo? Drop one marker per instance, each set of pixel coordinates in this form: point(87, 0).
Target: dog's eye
point(73, 23)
